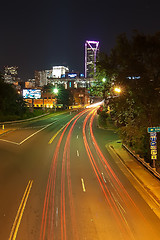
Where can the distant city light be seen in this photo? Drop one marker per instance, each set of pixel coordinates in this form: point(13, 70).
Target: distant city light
point(134, 77)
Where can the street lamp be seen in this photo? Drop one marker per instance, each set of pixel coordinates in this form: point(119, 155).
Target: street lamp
point(117, 89)
point(55, 90)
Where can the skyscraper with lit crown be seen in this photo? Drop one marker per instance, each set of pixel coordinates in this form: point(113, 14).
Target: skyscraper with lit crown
point(91, 52)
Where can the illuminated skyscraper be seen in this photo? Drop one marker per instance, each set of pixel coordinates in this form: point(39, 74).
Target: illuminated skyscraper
point(58, 71)
point(91, 51)
point(10, 74)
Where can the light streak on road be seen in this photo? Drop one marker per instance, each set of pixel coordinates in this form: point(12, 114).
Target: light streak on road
point(66, 158)
point(105, 190)
point(109, 170)
point(95, 104)
point(51, 140)
point(118, 188)
point(48, 209)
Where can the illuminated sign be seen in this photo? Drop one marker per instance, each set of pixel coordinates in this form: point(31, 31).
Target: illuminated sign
point(153, 129)
point(32, 93)
point(72, 75)
point(153, 145)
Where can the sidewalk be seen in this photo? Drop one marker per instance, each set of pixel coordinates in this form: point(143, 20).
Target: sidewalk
point(146, 179)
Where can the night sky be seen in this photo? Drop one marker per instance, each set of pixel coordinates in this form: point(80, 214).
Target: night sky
point(36, 35)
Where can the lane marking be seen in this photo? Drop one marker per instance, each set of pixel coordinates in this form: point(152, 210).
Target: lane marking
point(51, 140)
point(3, 140)
point(28, 136)
point(36, 133)
point(56, 216)
point(104, 177)
point(77, 153)
point(83, 186)
point(20, 212)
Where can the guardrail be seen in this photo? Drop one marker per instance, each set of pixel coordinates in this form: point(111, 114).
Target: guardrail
point(141, 160)
point(24, 120)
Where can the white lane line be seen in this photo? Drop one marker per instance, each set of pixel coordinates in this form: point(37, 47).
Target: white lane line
point(77, 153)
point(4, 140)
point(104, 177)
point(36, 133)
point(83, 186)
point(32, 134)
point(9, 141)
point(56, 216)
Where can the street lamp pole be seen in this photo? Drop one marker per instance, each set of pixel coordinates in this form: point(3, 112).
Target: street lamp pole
point(55, 90)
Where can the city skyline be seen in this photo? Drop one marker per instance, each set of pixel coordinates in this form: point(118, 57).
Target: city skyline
point(41, 35)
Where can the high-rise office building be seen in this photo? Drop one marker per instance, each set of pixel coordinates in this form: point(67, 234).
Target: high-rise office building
point(42, 77)
point(58, 71)
point(10, 74)
point(91, 51)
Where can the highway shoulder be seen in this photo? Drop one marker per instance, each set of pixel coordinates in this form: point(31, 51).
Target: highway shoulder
point(147, 182)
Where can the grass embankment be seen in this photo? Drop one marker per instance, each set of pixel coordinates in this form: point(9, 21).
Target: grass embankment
point(105, 121)
point(26, 115)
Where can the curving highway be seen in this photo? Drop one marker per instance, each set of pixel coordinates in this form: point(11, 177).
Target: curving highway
point(59, 182)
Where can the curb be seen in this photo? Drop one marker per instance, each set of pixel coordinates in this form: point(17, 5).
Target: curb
point(151, 192)
point(148, 167)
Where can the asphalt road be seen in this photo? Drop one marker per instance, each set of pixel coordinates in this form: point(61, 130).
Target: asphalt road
point(58, 181)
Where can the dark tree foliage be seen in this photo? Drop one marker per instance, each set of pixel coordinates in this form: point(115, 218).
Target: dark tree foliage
point(64, 96)
point(48, 88)
point(11, 103)
point(134, 65)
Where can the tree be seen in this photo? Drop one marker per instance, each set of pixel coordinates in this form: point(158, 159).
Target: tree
point(48, 88)
point(134, 63)
point(64, 96)
point(11, 103)
point(104, 77)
